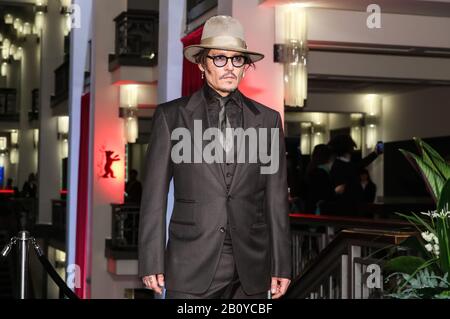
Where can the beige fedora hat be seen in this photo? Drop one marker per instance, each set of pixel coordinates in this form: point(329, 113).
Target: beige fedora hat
point(222, 33)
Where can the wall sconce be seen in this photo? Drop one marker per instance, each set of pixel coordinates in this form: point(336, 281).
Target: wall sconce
point(18, 55)
point(9, 19)
point(63, 124)
point(41, 5)
point(14, 156)
point(373, 108)
point(65, 6)
point(3, 143)
point(12, 49)
point(4, 69)
point(129, 95)
point(39, 21)
point(17, 23)
point(67, 24)
point(15, 137)
point(128, 111)
point(131, 128)
point(5, 48)
point(36, 137)
point(356, 125)
point(319, 128)
point(1, 37)
point(291, 24)
point(305, 138)
point(65, 148)
point(26, 28)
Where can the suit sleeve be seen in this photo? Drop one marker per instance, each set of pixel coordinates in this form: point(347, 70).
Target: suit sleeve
point(278, 209)
point(152, 217)
point(366, 161)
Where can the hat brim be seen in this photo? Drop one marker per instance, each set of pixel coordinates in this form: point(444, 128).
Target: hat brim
point(192, 50)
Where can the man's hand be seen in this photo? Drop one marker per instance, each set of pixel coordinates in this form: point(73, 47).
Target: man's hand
point(154, 282)
point(279, 287)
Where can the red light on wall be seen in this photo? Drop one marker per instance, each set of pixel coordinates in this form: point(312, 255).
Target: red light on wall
point(7, 191)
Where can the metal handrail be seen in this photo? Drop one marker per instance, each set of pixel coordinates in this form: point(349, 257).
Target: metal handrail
point(340, 252)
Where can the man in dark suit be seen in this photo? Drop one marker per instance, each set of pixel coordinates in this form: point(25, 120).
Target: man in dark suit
point(229, 234)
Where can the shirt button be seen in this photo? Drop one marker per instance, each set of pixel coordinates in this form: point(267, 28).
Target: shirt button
point(229, 174)
point(222, 230)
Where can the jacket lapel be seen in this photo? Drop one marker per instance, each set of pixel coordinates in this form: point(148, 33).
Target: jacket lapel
point(196, 110)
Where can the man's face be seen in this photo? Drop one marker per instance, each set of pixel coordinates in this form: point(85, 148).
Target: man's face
point(223, 79)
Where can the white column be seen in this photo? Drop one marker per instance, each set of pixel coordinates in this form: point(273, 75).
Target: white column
point(78, 56)
point(28, 81)
point(52, 51)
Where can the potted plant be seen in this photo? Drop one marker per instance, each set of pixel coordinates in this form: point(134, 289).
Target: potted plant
point(426, 276)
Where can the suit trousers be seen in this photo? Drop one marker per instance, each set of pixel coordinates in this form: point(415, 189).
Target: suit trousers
point(225, 284)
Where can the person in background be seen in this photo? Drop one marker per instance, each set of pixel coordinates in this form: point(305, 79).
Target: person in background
point(320, 188)
point(344, 171)
point(133, 188)
point(29, 188)
point(369, 189)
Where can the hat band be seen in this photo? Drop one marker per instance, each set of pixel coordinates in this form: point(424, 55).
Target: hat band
point(224, 42)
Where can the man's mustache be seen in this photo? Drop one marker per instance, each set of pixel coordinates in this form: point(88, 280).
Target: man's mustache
point(228, 75)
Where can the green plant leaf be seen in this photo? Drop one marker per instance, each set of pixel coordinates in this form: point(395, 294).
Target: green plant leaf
point(434, 181)
point(444, 198)
point(434, 159)
point(403, 264)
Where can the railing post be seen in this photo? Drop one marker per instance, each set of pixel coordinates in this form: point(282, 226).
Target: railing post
point(344, 276)
point(355, 273)
point(23, 238)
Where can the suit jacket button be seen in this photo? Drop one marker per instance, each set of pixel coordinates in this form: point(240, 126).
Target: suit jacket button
point(222, 230)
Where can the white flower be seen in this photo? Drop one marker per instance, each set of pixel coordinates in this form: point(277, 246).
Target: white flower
point(427, 236)
point(429, 247)
point(434, 238)
point(434, 214)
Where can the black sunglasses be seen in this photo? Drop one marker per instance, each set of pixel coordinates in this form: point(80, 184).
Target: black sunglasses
point(221, 60)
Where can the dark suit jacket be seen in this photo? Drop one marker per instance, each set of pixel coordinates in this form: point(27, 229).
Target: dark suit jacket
point(256, 206)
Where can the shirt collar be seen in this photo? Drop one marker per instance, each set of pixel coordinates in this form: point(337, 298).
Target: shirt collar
point(211, 95)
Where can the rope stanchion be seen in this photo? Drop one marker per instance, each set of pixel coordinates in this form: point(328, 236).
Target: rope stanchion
point(24, 239)
point(52, 272)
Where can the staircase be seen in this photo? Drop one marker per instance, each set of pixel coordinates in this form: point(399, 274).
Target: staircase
point(342, 258)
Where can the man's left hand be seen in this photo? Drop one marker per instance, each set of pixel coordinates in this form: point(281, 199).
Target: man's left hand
point(279, 287)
